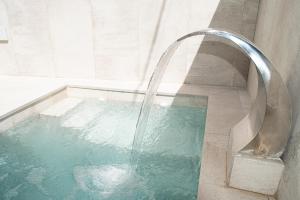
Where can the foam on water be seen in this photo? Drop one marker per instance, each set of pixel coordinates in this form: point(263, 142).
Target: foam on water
point(42, 159)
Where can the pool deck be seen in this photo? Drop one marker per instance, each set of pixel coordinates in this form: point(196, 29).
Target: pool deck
point(226, 106)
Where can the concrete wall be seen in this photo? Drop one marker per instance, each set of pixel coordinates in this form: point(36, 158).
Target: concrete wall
point(278, 35)
point(122, 40)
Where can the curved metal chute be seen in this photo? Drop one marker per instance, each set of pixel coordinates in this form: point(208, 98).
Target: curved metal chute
point(265, 129)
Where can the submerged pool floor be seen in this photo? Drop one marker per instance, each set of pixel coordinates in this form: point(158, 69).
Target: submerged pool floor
point(86, 154)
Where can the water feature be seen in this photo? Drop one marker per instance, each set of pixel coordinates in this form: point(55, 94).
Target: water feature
point(46, 158)
point(150, 94)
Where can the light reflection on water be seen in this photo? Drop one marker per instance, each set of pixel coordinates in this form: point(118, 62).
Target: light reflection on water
point(42, 159)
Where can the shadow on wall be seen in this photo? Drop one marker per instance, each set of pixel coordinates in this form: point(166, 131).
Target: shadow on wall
point(219, 62)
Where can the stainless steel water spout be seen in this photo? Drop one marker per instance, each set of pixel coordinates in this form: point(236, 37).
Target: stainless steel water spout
point(264, 131)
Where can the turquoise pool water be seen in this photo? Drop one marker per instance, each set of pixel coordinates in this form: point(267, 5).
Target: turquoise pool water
point(86, 153)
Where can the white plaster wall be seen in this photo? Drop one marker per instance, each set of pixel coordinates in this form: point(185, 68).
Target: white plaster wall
point(8, 64)
point(123, 40)
point(116, 39)
point(71, 30)
point(29, 37)
point(278, 35)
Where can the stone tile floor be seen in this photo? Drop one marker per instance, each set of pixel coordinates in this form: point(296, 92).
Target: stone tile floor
point(226, 106)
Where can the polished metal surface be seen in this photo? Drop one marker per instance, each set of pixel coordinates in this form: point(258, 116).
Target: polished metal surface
point(265, 130)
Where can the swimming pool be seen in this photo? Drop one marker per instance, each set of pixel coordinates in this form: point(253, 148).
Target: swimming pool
point(86, 153)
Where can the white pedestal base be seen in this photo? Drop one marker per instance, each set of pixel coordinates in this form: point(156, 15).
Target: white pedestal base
point(254, 174)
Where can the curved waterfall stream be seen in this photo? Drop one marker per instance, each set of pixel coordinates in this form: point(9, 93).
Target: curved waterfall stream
point(148, 99)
